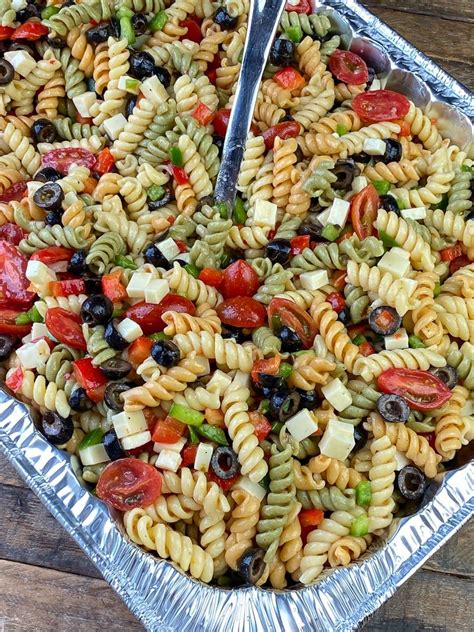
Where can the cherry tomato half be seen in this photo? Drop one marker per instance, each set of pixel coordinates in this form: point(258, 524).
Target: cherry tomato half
point(6, 32)
point(422, 390)
point(211, 276)
point(66, 327)
point(458, 263)
point(129, 483)
point(68, 287)
point(337, 301)
point(30, 31)
point(139, 350)
point(281, 312)
point(7, 323)
point(240, 279)
point(13, 282)
point(241, 311)
point(380, 105)
point(168, 430)
point(287, 129)
point(12, 233)
point(363, 210)
point(148, 315)
point(14, 193)
point(62, 159)
point(194, 29)
point(348, 67)
point(221, 122)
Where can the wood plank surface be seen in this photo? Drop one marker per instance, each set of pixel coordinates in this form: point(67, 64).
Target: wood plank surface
point(462, 10)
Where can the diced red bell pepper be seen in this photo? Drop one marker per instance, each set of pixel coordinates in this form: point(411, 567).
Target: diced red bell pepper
point(6, 32)
point(337, 301)
point(30, 31)
point(113, 288)
point(289, 78)
point(68, 288)
point(194, 29)
point(212, 277)
point(90, 378)
point(299, 243)
point(261, 425)
point(52, 254)
point(270, 366)
point(139, 350)
point(105, 161)
point(311, 517)
point(179, 174)
point(168, 430)
point(188, 455)
point(453, 252)
point(211, 74)
point(181, 245)
point(225, 485)
point(366, 348)
point(202, 114)
point(339, 279)
point(459, 262)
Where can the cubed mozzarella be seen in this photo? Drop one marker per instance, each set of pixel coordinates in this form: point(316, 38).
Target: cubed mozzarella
point(39, 330)
point(129, 423)
point(396, 261)
point(401, 460)
point(338, 212)
point(254, 489)
point(22, 62)
point(219, 383)
point(337, 394)
point(138, 283)
point(129, 329)
point(203, 457)
point(184, 256)
point(302, 425)
point(398, 340)
point(265, 213)
point(83, 103)
point(168, 460)
point(176, 447)
point(417, 212)
point(156, 290)
point(374, 146)
point(168, 248)
point(154, 90)
point(19, 5)
point(337, 440)
point(129, 84)
point(359, 183)
point(314, 280)
point(324, 217)
point(39, 273)
point(136, 440)
point(94, 454)
point(33, 355)
point(114, 126)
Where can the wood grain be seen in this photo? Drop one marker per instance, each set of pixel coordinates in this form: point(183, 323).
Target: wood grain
point(462, 10)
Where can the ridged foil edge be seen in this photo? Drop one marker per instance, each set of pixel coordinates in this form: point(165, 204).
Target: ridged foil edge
point(161, 596)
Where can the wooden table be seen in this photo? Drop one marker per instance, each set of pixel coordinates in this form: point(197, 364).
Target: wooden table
point(47, 583)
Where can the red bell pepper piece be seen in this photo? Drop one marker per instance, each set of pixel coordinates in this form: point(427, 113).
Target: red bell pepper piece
point(113, 288)
point(289, 78)
point(68, 288)
point(202, 114)
point(90, 378)
point(105, 161)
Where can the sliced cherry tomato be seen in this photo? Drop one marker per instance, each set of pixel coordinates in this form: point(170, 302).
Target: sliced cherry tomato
point(262, 426)
point(458, 263)
point(221, 122)
point(281, 312)
point(194, 29)
point(148, 315)
point(66, 327)
point(13, 282)
point(129, 483)
point(15, 379)
point(168, 430)
point(105, 161)
point(363, 210)
point(303, 6)
point(431, 438)
point(52, 254)
point(453, 252)
point(366, 348)
point(203, 114)
point(289, 78)
point(348, 67)
point(113, 287)
point(6, 32)
point(240, 279)
point(381, 105)
point(62, 159)
point(337, 301)
point(212, 75)
point(14, 193)
point(339, 279)
point(12, 233)
point(241, 311)
point(90, 378)
point(211, 276)
point(287, 129)
point(422, 390)
point(305, 531)
point(346, 234)
point(139, 350)
point(30, 31)
point(299, 243)
point(311, 517)
point(68, 288)
point(270, 366)
point(225, 485)
point(188, 455)
point(7, 323)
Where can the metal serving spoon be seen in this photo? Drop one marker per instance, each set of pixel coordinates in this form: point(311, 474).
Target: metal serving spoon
point(262, 25)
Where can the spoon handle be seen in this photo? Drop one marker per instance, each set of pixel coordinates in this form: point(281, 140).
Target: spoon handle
point(263, 21)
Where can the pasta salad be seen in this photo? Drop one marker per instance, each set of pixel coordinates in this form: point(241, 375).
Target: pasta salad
point(259, 390)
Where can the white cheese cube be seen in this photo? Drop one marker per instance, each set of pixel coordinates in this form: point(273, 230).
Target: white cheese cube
point(337, 440)
point(302, 425)
point(374, 146)
point(376, 84)
point(184, 256)
point(323, 218)
point(129, 84)
point(396, 261)
point(129, 329)
point(94, 454)
point(338, 212)
point(38, 272)
point(265, 213)
point(409, 285)
point(176, 447)
point(417, 212)
point(398, 340)
point(136, 440)
point(153, 89)
point(359, 183)
point(39, 330)
point(156, 291)
point(114, 126)
point(314, 280)
point(337, 394)
point(18, 5)
point(137, 284)
point(219, 383)
point(168, 460)
point(83, 103)
point(203, 457)
point(22, 62)
point(401, 460)
point(168, 248)
point(129, 423)
point(33, 355)
point(254, 489)
point(33, 186)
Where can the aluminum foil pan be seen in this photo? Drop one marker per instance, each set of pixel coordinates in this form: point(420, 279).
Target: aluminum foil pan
point(161, 596)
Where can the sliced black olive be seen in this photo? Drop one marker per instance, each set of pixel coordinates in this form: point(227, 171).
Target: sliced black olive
point(48, 174)
point(112, 394)
point(282, 52)
point(344, 316)
point(49, 197)
point(165, 353)
point(447, 374)
point(116, 368)
point(112, 446)
point(7, 344)
point(56, 42)
point(163, 75)
point(384, 320)
point(372, 75)
point(30, 11)
point(234, 333)
point(411, 482)
point(308, 399)
point(98, 34)
point(113, 338)
point(362, 157)
point(115, 28)
point(56, 429)
point(393, 151)
point(224, 462)
point(53, 218)
point(288, 117)
point(284, 404)
point(470, 215)
point(152, 254)
point(346, 171)
point(224, 20)
point(219, 143)
point(311, 226)
point(97, 310)
point(154, 205)
point(7, 72)
point(251, 565)
point(389, 203)
point(393, 408)
point(131, 103)
point(141, 65)
point(93, 283)
point(273, 382)
point(43, 131)
point(78, 400)
point(290, 340)
point(278, 251)
point(90, 84)
point(77, 263)
point(139, 23)
point(23, 46)
point(361, 436)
